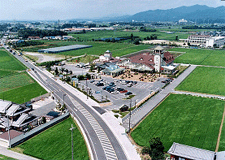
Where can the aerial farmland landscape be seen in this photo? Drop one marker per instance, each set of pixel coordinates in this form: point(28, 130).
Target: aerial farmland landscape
point(112, 80)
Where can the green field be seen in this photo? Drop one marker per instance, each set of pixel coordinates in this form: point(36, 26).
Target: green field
point(161, 34)
point(8, 62)
point(98, 48)
point(15, 84)
point(205, 80)
point(201, 57)
point(5, 157)
point(184, 119)
point(55, 143)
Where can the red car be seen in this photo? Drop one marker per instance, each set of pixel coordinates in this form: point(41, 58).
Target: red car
point(124, 91)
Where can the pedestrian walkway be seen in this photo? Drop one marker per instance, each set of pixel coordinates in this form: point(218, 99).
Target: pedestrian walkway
point(147, 107)
point(9, 153)
point(199, 94)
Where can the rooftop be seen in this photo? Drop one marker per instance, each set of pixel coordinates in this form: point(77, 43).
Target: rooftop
point(4, 105)
point(191, 152)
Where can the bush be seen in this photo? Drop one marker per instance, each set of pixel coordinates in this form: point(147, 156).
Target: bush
point(124, 108)
point(145, 150)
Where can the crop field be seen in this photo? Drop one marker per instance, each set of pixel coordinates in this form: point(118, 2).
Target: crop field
point(8, 62)
point(205, 80)
point(184, 119)
point(161, 34)
point(15, 84)
point(117, 49)
point(201, 57)
point(55, 143)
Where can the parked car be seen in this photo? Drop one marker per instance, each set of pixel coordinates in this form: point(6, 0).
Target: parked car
point(97, 92)
point(100, 84)
point(124, 91)
point(130, 85)
point(128, 93)
point(111, 90)
point(135, 82)
point(105, 88)
point(92, 81)
point(119, 89)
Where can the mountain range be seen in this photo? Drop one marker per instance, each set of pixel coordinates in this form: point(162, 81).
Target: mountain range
point(196, 13)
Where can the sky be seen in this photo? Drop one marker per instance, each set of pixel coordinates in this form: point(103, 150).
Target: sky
point(80, 9)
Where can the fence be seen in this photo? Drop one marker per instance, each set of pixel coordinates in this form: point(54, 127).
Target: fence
point(23, 137)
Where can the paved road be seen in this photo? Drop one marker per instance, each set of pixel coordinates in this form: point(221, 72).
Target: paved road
point(103, 143)
point(139, 114)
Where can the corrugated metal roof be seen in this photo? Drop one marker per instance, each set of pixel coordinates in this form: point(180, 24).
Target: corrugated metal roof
point(20, 120)
point(12, 109)
point(190, 152)
point(4, 105)
point(63, 48)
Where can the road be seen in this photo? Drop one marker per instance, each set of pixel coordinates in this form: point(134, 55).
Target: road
point(139, 114)
point(103, 143)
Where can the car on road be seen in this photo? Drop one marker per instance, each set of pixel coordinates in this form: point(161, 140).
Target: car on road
point(128, 93)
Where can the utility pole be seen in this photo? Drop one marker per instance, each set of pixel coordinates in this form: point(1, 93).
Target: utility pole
point(72, 128)
point(130, 116)
point(9, 132)
point(86, 87)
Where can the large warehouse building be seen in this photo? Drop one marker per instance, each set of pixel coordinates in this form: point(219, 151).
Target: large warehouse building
point(63, 48)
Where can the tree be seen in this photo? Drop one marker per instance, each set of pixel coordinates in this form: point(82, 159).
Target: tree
point(88, 76)
point(156, 149)
point(43, 120)
point(56, 71)
point(136, 41)
point(176, 37)
point(132, 36)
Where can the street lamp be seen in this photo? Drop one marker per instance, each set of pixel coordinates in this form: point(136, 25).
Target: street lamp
point(72, 128)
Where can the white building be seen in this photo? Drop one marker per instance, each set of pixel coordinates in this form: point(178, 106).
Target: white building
point(196, 39)
point(215, 41)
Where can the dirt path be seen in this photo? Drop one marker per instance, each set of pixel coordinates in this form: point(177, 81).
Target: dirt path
point(221, 126)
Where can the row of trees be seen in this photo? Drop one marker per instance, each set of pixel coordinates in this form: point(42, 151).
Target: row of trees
point(25, 33)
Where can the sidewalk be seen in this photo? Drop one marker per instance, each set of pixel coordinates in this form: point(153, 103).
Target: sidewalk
point(9, 153)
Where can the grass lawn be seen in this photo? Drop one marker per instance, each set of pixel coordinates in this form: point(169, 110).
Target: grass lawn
point(8, 62)
point(5, 157)
point(55, 143)
point(205, 80)
point(201, 56)
point(184, 119)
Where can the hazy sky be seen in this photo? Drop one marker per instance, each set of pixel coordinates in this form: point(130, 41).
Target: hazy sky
point(69, 9)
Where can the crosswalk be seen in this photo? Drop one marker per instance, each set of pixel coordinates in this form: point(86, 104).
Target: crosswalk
point(142, 85)
point(106, 144)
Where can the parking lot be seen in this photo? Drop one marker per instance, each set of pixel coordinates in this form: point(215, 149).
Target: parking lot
point(140, 90)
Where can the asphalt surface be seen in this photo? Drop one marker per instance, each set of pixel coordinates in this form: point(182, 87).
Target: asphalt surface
point(140, 90)
point(103, 143)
